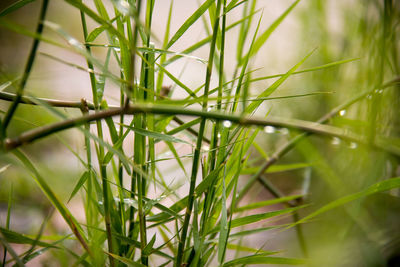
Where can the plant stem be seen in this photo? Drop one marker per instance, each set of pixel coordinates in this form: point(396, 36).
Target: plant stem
point(28, 68)
point(196, 157)
point(100, 154)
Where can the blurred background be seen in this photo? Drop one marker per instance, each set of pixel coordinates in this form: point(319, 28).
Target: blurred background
point(365, 233)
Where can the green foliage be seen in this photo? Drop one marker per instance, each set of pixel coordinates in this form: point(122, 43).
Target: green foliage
point(159, 189)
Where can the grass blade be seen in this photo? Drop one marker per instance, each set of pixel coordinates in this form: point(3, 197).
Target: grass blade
point(15, 6)
point(373, 189)
point(259, 259)
point(192, 19)
point(265, 35)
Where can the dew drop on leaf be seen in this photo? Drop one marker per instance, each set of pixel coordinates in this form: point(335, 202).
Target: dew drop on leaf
point(269, 129)
point(227, 124)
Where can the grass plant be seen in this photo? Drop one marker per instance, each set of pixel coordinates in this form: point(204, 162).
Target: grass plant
point(134, 214)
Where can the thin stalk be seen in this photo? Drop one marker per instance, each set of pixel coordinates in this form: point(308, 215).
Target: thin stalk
point(89, 214)
point(213, 162)
point(85, 104)
point(278, 194)
point(130, 94)
point(196, 157)
point(100, 152)
point(307, 126)
point(28, 67)
point(141, 122)
point(8, 222)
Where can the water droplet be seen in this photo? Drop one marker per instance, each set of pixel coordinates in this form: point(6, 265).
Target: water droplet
point(335, 141)
point(124, 7)
point(106, 45)
point(206, 148)
point(129, 201)
point(284, 131)
point(380, 91)
point(219, 135)
point(117, 49)
point(269, 129)
point(227, 124)
point(353, 145)
point(342, 112)
point(369, 96)
point(209, 108)
point(74, 42)
point(100, 202)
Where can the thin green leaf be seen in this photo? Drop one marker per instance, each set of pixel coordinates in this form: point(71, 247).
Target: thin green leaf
point(259, 259)
point(252, 106)
point(15, 6)
point(266, 203)
point(156, 135)
point(79, 184)
point(207, 181)
point(373, 189)
point(224, 226)
point(17, 238)
point(8, 24)
point(65, 213)
point(149, 247)
point(126, 260)
point(277, 168)
point(265, 35)
point(192, 19)
point(256, 217)
point(95, 33)
point(254, 231)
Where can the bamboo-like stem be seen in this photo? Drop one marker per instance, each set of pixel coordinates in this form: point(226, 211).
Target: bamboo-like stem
point(306, 126)
point(51, 102)
point(100, 154)
point(196, 156)
point(31, 58)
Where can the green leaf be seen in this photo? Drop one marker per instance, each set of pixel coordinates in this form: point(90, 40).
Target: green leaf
point(266, 203)
point(192, 19)
point(265, 35)
point(373, 189)
point(256, 217)
point(15, 6)
point(65, 213)
point(249, 249)
point(254, 231)
point(155, 135)
point(206, 182)
point(17, 238)
point(224, 226)
point(95, 33)
point(149, 247)
point(277, 168)
point(8, 24)
point(126, 261)
point(177, 207)
point(79, 184)
point(85, 9)
point(260, 259)
point(251, 107)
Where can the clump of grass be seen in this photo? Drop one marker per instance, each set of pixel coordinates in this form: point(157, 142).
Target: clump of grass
point(128, 220)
